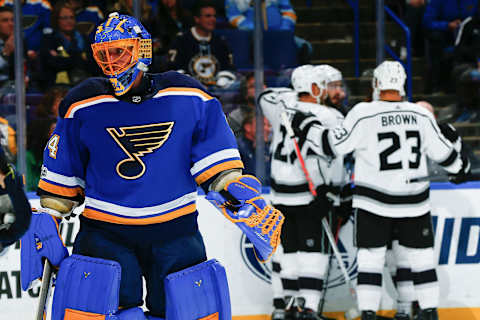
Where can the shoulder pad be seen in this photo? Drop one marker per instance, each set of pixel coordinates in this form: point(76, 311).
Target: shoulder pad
point(86, 89)
point(176, 79)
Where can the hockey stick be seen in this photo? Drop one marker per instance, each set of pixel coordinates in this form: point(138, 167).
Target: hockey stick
point(46, 277)
point(352, 312)
point(443, 177)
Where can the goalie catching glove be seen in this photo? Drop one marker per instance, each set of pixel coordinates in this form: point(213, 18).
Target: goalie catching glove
point(240, 202)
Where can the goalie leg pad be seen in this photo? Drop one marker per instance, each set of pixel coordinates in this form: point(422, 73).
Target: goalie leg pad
point(86, 288)
point(199, 292)
point(41, 240)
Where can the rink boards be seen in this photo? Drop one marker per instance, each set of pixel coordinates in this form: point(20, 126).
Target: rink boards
point(456, 217)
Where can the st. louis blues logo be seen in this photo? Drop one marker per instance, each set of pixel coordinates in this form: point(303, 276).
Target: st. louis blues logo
point(136, 142)
point(335, 278)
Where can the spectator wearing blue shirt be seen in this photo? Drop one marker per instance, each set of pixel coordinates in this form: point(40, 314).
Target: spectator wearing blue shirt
point(278, 15)
point(441, 21)
point(246, 146)
point(36, 20)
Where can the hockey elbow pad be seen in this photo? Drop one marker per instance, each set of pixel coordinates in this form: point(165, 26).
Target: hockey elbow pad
point(42, 240)
point(241, 203)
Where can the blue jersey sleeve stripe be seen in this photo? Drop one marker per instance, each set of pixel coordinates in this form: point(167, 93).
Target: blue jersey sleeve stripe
point(184, 92)
point(87, 103)
point(213, 158)
point(106, 217)
point(214, 164)
point(60, 190)
point(62, 180)
point(227, 165)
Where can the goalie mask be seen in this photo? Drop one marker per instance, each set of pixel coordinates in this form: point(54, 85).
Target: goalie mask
point(389, 75)
point(122, 48)
point(302, 79)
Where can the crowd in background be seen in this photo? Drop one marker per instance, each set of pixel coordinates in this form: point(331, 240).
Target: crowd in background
point(187, 37)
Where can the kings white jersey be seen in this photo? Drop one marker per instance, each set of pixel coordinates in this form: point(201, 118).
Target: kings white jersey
point(288, 183)
point(391, 141)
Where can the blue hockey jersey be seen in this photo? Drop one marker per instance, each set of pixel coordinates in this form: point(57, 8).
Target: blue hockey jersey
point(137, 163)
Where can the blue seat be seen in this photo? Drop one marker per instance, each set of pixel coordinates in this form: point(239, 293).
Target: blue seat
point(241, 45)
point(279, 50)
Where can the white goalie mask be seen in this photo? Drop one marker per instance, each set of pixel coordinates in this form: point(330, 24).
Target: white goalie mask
point(302, 79)
point(389, 75)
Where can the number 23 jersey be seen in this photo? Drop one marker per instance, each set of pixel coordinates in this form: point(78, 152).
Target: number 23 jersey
point(391, 141)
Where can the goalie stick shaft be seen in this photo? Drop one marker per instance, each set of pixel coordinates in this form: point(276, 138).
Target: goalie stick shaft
point(46, 277)
point(325, 224)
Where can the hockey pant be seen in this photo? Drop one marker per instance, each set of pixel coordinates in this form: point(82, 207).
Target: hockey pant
point(88, 289)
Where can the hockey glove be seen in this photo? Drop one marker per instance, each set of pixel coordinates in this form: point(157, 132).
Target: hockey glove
point(298, 119)
point(42, 240)
point(464, 173)
point(241, 203)
point(322, 204)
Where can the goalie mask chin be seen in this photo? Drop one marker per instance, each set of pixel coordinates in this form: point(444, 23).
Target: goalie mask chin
point(122, 49)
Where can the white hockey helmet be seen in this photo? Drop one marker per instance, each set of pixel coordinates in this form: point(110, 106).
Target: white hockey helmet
point(303, 77)
point(389, 75)
point(329, 73)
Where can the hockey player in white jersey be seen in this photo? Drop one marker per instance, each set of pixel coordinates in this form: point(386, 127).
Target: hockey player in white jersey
point(305, 259)
point(391, 139)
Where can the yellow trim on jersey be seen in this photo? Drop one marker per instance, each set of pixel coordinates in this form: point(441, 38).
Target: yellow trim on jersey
point(291, 15)
point(235, 21)
point(101, 216)
point(58, 190)
point(186, 90)
point(89, 100)
point(207, 174)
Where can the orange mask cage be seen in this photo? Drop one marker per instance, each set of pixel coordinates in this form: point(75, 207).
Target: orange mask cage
point(117, 56)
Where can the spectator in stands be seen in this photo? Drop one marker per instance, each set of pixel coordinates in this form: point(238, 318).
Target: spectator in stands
point(441, 20)
point(36, 21)
point(87, 16)
point(169, 20)
point(201, 53)
point(246, 145)
point(126, 7)
point(38, 133)
point(48, 106)
point(414, 12)
point(278, 15)
point(65, 51)
point(7, 45)
point(247, 92)
point(466, 70)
